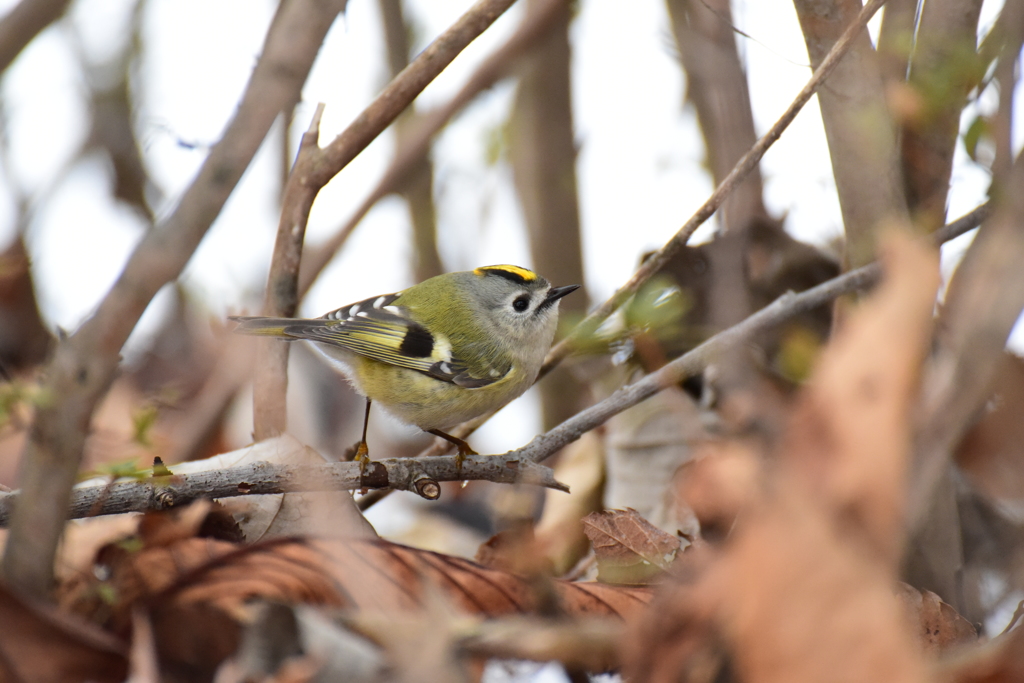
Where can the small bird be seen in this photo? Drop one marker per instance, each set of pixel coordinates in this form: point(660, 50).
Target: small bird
point(441, 352)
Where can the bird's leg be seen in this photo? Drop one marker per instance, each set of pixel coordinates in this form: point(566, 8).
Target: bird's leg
point(362, 455)
point(463, 447)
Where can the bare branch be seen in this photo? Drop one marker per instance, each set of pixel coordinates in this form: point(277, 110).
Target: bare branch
point(418, 475)
point(84, 366)
point(270, 416)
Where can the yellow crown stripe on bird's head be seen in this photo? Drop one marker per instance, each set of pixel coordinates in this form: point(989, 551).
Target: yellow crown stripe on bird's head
point(514, 273)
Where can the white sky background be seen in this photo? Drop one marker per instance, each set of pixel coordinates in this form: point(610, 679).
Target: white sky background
point(640, 162)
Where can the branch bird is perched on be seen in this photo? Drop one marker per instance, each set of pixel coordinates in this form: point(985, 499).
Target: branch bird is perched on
point(438, 353)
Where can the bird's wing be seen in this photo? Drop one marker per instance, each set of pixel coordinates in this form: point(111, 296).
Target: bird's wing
point(378, 329)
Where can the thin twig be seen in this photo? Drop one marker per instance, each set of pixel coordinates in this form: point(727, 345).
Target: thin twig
point(84, 365)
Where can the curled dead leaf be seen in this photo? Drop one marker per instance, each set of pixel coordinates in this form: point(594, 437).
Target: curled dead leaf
point(629, 549)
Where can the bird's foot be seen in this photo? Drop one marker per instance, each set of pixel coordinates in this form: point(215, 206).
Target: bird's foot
point(464, 451)
point(362, 456)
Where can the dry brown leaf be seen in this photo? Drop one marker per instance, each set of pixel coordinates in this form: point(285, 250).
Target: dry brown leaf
point(84, 537)
point(368, 574)
point(196, 592)
point(38, 643)
point(940, 628)
point(383, 576)
point(800, 603)
point(200, 573)
point(850, 432)
point(629, 549)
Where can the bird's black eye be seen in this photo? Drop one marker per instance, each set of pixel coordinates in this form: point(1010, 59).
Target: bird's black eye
point(521, 303)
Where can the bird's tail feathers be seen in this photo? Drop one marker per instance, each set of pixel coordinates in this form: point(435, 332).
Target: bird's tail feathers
point(263, 327)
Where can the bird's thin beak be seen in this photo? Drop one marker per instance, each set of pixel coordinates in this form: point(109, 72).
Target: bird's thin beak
point(556, 293)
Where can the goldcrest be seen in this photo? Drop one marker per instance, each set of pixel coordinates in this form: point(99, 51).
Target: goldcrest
point(441, 352)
